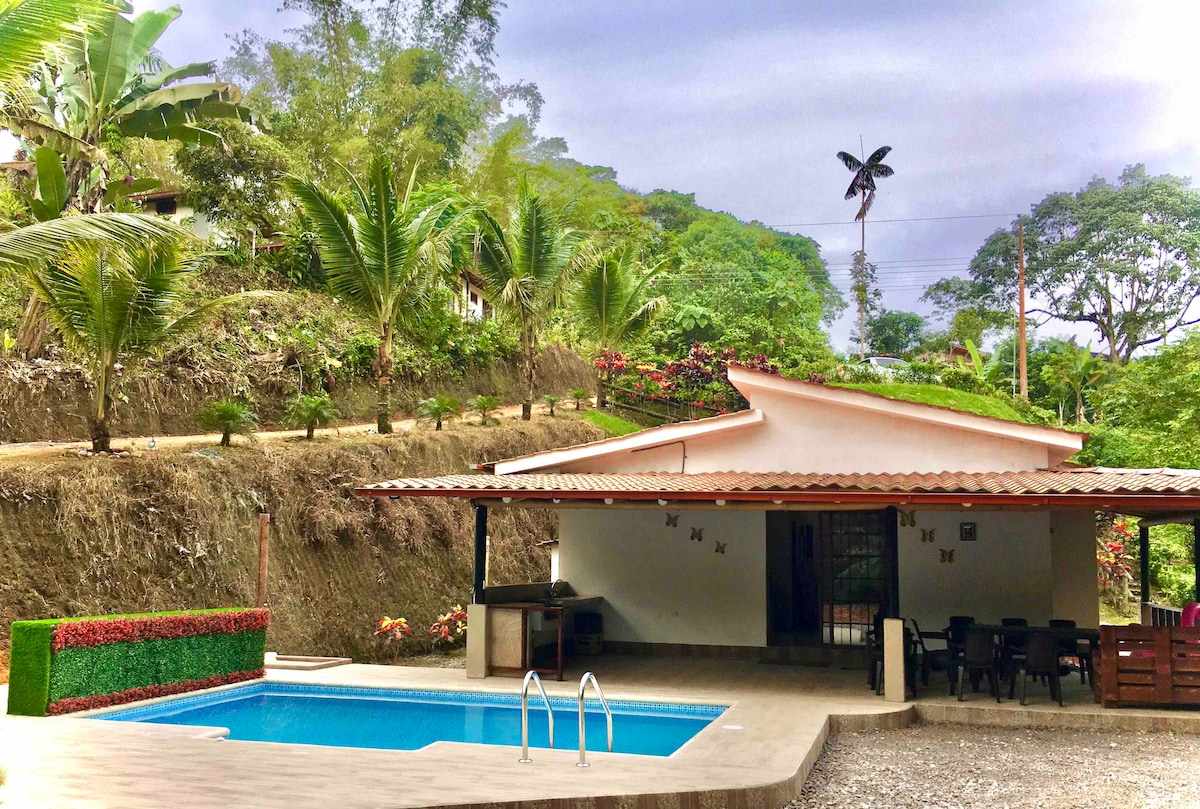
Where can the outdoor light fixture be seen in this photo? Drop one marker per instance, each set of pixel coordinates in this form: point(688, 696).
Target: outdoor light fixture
point(608, 501)
point(506, 499)
point(662, 502)
point(720, 502)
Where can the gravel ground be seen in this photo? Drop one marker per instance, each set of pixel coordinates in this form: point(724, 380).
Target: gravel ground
point(952, 766)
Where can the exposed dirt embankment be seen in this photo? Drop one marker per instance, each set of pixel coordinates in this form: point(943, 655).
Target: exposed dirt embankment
point(48, 400)
point(176, 530)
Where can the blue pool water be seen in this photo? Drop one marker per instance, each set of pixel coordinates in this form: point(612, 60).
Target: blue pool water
point(398, 719)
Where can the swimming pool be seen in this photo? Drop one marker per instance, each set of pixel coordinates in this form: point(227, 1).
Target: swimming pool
point(402, 719)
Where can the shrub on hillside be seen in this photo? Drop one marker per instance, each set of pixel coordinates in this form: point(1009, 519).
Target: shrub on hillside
point(485, 406)
point(438, 409)
point(310, 411)
point(227, 417)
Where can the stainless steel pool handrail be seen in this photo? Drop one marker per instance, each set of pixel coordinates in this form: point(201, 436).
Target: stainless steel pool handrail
point(532, 676)
point(583, 682)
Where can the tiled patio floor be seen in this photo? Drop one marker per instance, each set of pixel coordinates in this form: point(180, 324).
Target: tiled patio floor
point(778, 720)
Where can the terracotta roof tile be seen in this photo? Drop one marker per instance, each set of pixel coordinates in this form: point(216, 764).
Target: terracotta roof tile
point(734, 486)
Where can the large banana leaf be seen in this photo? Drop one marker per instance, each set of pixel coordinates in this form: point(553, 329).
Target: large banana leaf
point(52, 186)
point(56, 139)
point(27, 27)
point(153, 83)
point(180, 94)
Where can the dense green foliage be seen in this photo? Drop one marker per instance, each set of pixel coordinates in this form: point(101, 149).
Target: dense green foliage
point(29, 668)
point(310, 411)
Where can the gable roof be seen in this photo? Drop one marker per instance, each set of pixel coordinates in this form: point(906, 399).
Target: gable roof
point(751, 384)
point(748, 381)
point(641, 440)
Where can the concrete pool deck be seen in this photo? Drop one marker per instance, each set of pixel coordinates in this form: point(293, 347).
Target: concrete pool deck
point(756, 755)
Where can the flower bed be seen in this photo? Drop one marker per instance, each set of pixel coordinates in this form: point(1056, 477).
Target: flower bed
point(63, 665)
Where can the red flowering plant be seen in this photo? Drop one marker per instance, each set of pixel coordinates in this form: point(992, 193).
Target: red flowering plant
point(450, 627)
point(396, 629)
point(1115, 563)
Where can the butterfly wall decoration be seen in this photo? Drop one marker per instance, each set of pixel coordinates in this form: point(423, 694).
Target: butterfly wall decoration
point(672, 520)
point(698, 534)
point(907, 518)
point(721, 546)
point(947, 556)
point(927, 534)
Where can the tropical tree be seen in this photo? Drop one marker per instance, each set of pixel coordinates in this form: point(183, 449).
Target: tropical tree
point(581, 397)
point(310, 411)
point(485, 406)
point(894, 333)
point(1074, 372)
point(27, 27)
point(551, 401)
point(113, 83)
point(863, 184)
point(383, 253)
point(438, 409)
point(112, 305)
point(612, 306)
point(227, 417)
point(528, 268)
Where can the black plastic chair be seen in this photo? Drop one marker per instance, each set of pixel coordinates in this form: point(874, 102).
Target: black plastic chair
point(1041, 659)
point(1012, 644)
point(930, 659)
point(979, 657)
point(875, 655)
point(1069, 647)
point(956, 637)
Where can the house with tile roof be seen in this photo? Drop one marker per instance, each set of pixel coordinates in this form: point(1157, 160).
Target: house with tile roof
point(790, 525)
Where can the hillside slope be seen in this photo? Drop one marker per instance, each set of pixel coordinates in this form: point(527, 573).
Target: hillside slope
point(175, 530)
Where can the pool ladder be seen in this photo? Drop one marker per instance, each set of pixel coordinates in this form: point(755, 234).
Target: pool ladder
point(583, 683)
point(532, 677)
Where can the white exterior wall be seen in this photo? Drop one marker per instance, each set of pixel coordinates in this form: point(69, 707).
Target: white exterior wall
point(1073, 566)
point(659, 585)
point(1005, 573)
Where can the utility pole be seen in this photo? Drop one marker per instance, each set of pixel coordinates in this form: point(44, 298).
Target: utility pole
point(1022, 348)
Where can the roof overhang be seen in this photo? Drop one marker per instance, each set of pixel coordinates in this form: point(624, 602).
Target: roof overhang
point(1165, 494)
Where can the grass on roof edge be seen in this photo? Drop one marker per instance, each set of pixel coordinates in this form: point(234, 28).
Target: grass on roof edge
point(975, 403)
point(613, 425)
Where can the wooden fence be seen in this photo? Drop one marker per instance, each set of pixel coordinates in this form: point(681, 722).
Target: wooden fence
point(660, 410)
point(1149, 665)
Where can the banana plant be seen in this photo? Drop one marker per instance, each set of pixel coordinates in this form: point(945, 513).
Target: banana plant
point(28, 27)
point(92, 89)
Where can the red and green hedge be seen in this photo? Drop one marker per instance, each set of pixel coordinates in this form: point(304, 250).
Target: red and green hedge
point(73, 664)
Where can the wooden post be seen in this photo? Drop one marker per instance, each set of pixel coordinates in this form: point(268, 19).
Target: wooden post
point(1022, 348)
point(1144, 573)
point(894, 680)
point(264, 536)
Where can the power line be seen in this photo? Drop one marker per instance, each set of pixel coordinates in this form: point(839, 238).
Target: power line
point(909, 219)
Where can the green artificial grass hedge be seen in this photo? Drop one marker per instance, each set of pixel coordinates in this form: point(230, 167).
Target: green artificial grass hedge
point(29, 667)
point(116, 667)
point(39, 676)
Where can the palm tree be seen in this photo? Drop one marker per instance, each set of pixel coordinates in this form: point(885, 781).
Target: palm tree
point(551, 401)
point(438, 409)
point(28, 26)
point(229, 418)
point(581, 397)
point(485, 406)
point(528, 269)
point(310, 411)
point(611, 304)
point(863, 183)
point(1074, 371)
point(112, 304)
point(383, 254)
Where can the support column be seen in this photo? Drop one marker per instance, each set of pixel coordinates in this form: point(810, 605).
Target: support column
point(480, 584)
point(1144, 564)
point(894, 688)
point(1196, 554)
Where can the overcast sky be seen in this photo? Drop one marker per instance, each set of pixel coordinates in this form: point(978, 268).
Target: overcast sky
point(988, 106)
